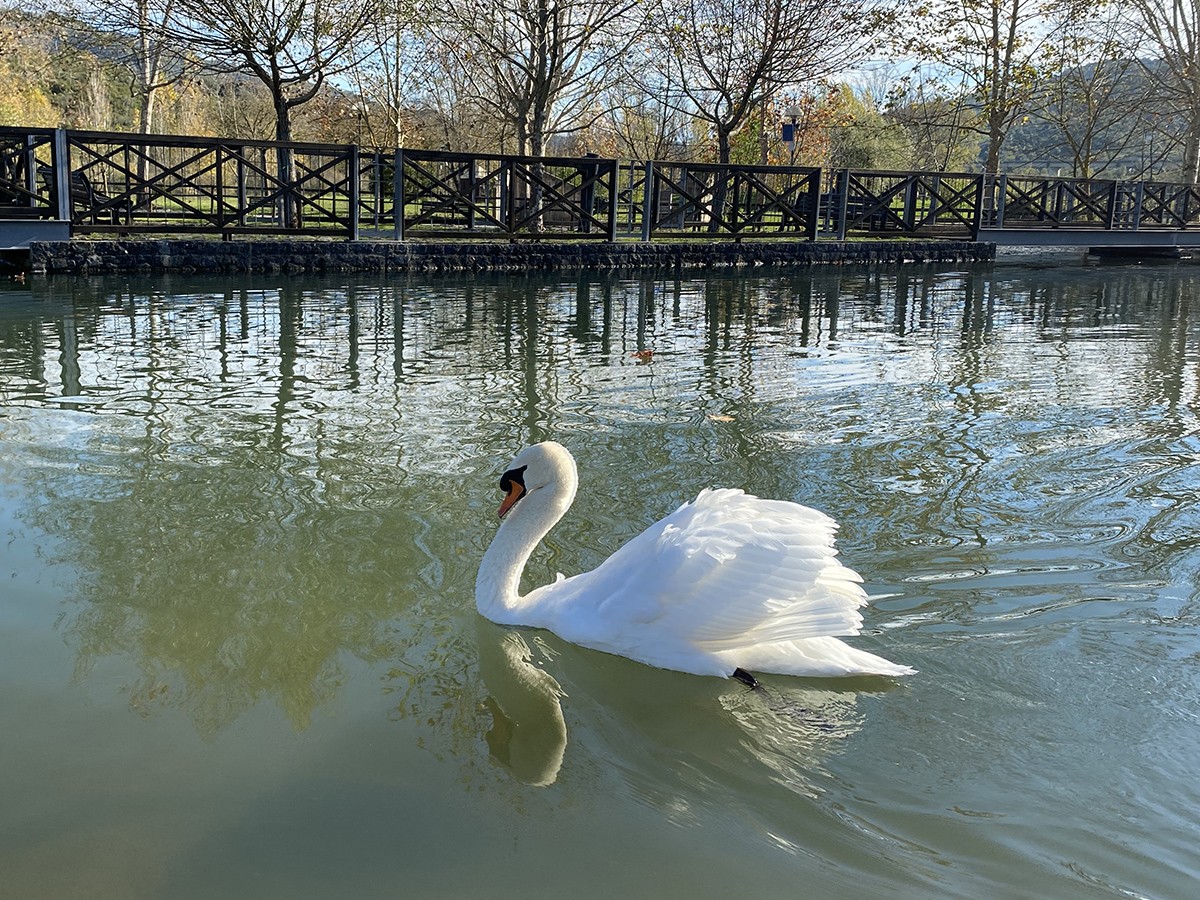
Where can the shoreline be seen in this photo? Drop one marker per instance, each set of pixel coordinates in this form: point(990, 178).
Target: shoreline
point(153, 257)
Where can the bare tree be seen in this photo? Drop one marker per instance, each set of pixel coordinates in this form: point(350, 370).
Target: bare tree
point(441, 109)
point(642, 120)
point(730, 58)
point(536, 65)
point(387, 79)
point(988, 51)
point(941, 124)
point(1093, 94)
point(291, 46)
point(137, 29)
point(1171, 30)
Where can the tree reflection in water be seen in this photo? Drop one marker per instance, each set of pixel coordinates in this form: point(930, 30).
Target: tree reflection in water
point(257, 484)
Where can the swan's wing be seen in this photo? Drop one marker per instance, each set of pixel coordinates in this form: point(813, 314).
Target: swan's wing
point(725, 571)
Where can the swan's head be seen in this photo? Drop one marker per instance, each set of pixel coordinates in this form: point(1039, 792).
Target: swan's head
point(547, 467)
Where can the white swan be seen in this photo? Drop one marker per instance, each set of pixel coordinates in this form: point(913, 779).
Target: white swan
point(725, 585)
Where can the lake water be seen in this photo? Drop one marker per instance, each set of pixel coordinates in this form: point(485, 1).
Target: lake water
point(240, 523)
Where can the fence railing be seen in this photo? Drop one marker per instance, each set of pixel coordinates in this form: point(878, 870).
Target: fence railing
point(137, 184)
point(31, 162)
point(927, 204)
point(102, 182)
point(1019, 201)
point(491, 195)
point(693, 199)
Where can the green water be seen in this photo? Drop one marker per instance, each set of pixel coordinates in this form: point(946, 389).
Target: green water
point(239, 528)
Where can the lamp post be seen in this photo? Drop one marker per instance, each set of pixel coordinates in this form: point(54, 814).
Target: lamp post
point(793, 112)
point(360, 121)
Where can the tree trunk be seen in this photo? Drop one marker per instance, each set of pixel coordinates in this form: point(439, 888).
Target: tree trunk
point(764, 135)
point(537, 149)
point(145, 126)
point(996, 137)
point(146, 110)
point(1191, 152)
point(721, 188)
point(290, 206)
point(724, 146)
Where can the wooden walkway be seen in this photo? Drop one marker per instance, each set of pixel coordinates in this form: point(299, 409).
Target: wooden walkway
point(57, 183)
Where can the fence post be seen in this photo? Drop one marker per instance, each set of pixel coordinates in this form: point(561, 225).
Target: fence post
point(398, 196)
point(935, 207)
point(62, 174)
point(1139, 194)
point(649, 202)
point(240, 216)
point(629, 208)
point(507, 200)
point(31, 169)
point(589, 173)
point(1111, 213)
point(614, 189)
point(218, 215)
point(376, 187)
point(473, 187)
point(982, 186)
point(843, 202)
point(1001, 199)
point(355, 175)
point(814, 206)
point(910, 204)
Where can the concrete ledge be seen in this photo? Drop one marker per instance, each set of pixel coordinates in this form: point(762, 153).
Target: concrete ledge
point(1089, 237)
point(18, 234)
point(299, 256)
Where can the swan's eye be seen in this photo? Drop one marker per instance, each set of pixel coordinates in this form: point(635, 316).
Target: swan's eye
point(512, 475)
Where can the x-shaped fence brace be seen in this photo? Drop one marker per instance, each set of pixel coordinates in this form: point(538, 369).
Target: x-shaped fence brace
point(183, 184)
point(910, 202)
point(19, 191)
point(13, 177)
point(1087, 200)
point(865, 204)
point(1170, 204)
point(1059, 202)
point(434, 194)
point(569, 201)
point(958, 204)
point(726, 184)
point(456, 191)
point(118, 165)
point(310, 176)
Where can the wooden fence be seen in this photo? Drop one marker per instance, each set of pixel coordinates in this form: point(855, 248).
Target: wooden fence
point(109, 183)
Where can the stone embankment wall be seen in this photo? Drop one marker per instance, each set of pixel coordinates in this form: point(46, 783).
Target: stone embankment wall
point(303, 256)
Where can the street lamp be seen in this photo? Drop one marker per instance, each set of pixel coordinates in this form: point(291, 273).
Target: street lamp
point(360, 120)
point(793, 112)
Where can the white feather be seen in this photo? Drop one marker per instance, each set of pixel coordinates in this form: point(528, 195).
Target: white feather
point(727, 581)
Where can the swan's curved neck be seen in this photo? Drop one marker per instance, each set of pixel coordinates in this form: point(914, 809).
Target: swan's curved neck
point(497, 587)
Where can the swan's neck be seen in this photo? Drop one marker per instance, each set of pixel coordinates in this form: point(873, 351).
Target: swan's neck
point(497, 587)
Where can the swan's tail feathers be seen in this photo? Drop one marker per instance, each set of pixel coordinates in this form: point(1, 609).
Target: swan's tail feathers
point(870, 664)
point(819, 657)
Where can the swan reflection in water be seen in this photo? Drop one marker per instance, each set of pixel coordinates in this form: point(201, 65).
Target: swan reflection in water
point(651, 722)
point(528, 734)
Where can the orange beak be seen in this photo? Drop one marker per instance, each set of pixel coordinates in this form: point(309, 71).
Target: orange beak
point(515, 492)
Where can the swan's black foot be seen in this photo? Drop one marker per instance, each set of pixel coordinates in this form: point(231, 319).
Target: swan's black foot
point(746, 678)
